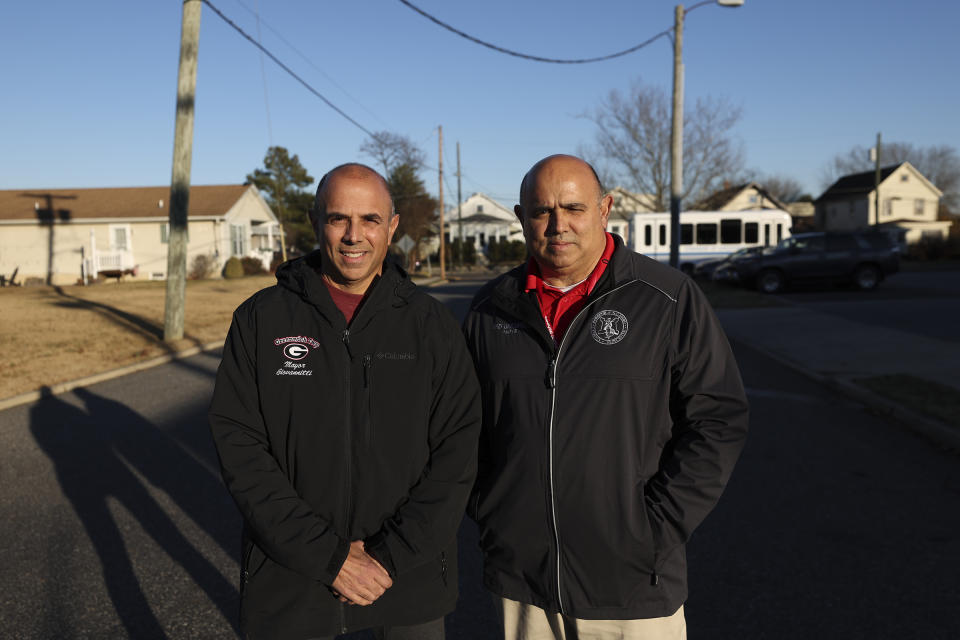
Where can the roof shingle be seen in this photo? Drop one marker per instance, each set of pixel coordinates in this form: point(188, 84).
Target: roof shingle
point(121, 202)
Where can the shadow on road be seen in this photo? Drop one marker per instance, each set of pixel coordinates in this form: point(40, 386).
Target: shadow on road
point(100, 455)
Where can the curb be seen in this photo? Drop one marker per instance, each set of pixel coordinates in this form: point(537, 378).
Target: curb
point(932, 429)
point(63, 387)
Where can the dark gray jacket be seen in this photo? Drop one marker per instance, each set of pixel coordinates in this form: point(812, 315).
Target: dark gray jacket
point(600, 457)
point(328, 434)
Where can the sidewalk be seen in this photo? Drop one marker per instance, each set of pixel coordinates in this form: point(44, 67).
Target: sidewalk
point(838, 351)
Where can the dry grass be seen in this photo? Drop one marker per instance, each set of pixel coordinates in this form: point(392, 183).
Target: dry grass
point(55, 334)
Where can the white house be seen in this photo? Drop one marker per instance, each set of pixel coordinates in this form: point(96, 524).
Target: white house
point(53, 235)
point(482, 219)
point(908, 202)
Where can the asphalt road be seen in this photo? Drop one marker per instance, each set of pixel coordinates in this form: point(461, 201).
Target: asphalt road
point(114, 523)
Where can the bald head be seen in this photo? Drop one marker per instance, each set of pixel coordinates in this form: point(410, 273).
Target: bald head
point(562, 164)
point(352, 171)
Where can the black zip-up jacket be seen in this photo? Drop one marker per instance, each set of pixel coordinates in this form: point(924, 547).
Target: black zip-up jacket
point(328, 434)
point(599, 457)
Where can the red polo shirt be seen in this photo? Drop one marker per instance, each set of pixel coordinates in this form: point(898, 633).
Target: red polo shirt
point(559, 307)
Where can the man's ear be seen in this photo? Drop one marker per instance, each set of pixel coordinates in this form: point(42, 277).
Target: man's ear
point(394, 221)
point(518, 211)
point(606, 203)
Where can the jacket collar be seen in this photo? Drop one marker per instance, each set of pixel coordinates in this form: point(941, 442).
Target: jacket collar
point(509, 293)
point(392, 289)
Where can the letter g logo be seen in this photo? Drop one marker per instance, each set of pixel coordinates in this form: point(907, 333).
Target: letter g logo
point(295, 351)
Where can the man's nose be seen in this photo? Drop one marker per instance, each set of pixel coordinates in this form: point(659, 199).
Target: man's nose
point(351, 234)
point(557, 223)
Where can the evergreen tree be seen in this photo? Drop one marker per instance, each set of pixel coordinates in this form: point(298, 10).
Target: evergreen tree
point(282, 181)
point(416, 208)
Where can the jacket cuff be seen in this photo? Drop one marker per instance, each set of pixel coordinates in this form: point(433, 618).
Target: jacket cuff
point(337, 559)
point(376, 547)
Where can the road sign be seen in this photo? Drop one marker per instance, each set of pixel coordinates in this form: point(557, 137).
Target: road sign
point(405, 243)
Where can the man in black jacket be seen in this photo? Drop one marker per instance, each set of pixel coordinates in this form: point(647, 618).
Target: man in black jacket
point(346, 417)
point(613, 414)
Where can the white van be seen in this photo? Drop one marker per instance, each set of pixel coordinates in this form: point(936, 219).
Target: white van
point(706, 235)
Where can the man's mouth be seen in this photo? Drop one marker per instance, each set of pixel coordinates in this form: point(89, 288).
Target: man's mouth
point(354, 255)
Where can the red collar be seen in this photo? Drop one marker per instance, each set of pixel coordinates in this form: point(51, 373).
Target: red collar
point(534, 281)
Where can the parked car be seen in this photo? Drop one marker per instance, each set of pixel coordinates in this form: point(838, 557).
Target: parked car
point(863, 258)
point(710, 269)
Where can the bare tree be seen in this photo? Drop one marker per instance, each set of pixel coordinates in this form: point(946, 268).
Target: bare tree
point(783, 188)
point(940, 164)
point(632, 144)
point(390, 150)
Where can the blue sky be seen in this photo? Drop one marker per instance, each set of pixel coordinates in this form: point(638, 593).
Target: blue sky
point(89, 88)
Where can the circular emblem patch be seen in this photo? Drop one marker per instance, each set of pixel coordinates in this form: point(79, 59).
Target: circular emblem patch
point(295, 351)
point(608, 326)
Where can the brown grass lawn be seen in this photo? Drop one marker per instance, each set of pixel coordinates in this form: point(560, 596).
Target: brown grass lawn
point(50, 335)
point(55, 334)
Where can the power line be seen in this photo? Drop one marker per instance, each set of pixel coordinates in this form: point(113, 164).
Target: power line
point(526, 56)
point(289, 70)
point(307, 60)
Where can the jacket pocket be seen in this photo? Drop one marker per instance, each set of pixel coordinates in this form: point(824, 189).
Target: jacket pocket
point(253, 560)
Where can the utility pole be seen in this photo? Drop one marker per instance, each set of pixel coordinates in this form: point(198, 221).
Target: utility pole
point(676, 139)
point(459, 212)
point(876, 185)
point(180, 182)
point(443, 239)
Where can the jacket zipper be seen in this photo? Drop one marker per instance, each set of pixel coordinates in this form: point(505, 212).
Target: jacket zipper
point(349, 459)
point(552, 383)
point(368, 388)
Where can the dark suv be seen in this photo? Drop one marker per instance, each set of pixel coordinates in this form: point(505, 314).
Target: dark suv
point(861, 257)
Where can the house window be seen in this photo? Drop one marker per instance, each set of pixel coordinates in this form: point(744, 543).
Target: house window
point(779, 233)
point(238, 240)
point(165, 233)
point(751, 232)
point(888, 207)
point(479, 208)
point(663, 234)
point(120, 237)
point(918, 207)
point(730, 231)
point(483, 239)
point(686, 234)
point(904, 177)
point(648, 234)
point(753, 199)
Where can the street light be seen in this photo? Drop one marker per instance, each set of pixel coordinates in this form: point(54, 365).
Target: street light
point(676, 137)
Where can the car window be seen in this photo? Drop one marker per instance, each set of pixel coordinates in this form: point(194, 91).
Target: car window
point(809, 244)
point(841, 243)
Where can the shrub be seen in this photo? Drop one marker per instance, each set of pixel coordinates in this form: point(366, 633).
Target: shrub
point(201, 267)
point(233, 268)
point(935, 248)
point(251, 266)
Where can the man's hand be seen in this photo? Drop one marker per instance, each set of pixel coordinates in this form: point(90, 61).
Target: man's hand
point(361, 579)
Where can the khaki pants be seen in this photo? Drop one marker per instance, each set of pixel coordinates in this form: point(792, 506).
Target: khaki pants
point(527, 622)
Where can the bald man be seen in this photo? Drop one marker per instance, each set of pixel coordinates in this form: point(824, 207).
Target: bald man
point(346, 417)
point(613, 416)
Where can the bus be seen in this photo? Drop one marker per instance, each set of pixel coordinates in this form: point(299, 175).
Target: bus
point(705, 235)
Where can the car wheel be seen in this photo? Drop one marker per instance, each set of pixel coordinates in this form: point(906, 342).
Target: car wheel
point(770, 281)
point(866, 277)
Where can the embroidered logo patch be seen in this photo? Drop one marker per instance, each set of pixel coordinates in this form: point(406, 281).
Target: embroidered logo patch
point(507, 328)
point(294, 349)
point(608, 326)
